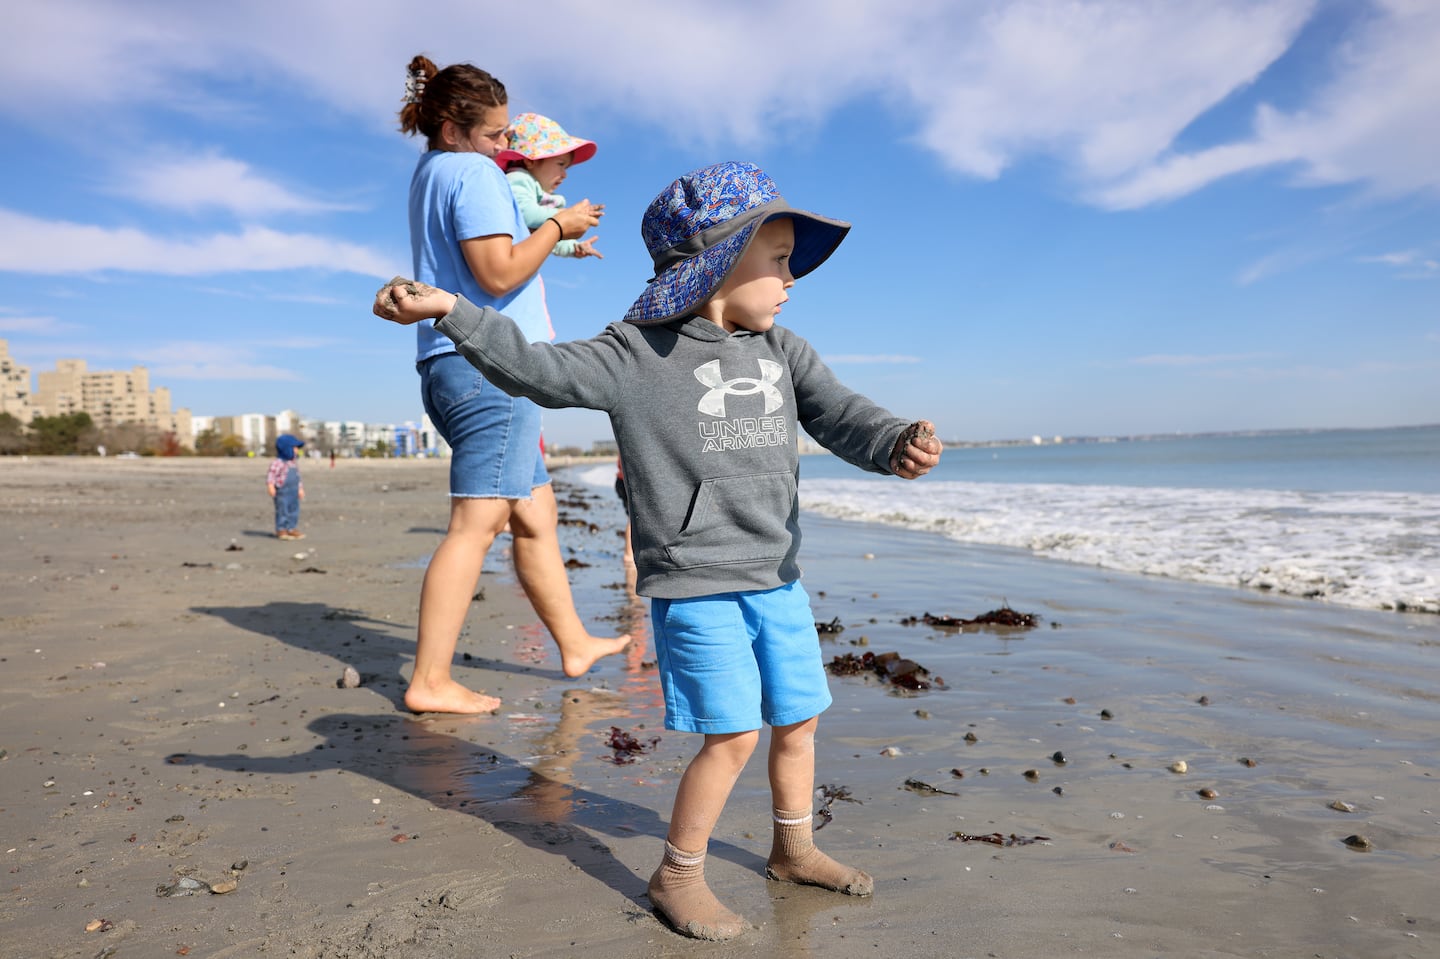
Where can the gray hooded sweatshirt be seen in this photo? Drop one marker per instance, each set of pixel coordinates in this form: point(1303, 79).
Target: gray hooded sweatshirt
point(707, 426)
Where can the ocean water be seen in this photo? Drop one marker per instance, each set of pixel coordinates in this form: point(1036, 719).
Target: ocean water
point(1348, 517)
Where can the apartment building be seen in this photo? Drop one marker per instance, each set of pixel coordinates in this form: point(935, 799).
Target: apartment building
point(110, 397)
point(14, 387)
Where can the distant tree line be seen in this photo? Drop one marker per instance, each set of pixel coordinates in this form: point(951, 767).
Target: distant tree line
point(74, 434)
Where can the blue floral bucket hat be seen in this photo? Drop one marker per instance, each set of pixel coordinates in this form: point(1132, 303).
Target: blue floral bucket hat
point(699, 226)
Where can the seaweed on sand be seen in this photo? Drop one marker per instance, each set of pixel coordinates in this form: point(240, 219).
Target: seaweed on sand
point(891, 667)
point(1004, 616)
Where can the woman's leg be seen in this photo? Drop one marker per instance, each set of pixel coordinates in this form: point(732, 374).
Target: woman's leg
point(677, 889)
point(793, 855)
point(542, 575)
point(445, 597)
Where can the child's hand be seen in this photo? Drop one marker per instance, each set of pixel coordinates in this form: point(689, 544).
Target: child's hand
point(586, 247)
point(917, 451)
point(409, 301)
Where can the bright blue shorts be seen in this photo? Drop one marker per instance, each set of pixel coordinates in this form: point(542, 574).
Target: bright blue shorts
point(733, 662)
point(494, 438)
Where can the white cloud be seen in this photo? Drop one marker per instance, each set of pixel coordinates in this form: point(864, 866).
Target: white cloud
point(223, 369)
point(212, 181)
point(1409, 264)
point(1181, 175)
point(41, 325)
point(1401, 258)
point(32, 245)
point(91, 52)
point(1376, 122)
point(197, 360)
point(1105, 86)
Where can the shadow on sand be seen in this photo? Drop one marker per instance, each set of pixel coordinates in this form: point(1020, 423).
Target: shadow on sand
point(532, 797)
point(354, 639)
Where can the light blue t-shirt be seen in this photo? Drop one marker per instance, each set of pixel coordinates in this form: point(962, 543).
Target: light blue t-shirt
point(459, 196)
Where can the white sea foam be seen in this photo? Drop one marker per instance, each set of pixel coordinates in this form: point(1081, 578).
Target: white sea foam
point(1367, 550)
point(1370, 550)
point(597, 475)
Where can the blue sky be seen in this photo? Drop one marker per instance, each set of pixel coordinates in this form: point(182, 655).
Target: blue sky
point(1070, 217)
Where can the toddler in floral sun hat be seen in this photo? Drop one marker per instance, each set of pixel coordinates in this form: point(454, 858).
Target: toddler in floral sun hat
point(707, 395)
point(537, 157)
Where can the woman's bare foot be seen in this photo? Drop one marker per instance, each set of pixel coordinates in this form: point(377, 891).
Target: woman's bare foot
point(578, 656)
point(449, 697)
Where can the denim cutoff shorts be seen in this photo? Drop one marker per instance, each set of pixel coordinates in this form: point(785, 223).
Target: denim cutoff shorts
point(732, 662)
point(494, 438)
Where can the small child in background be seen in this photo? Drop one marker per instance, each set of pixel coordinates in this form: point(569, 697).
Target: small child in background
point(536, 160)
point(283, 482)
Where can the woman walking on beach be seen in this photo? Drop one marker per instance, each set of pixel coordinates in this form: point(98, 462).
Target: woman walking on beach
point(467, 233)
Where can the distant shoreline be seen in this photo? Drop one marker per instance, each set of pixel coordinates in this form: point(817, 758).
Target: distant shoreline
point(1039, 440)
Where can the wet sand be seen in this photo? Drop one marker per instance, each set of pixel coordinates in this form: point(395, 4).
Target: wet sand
point(170, 708)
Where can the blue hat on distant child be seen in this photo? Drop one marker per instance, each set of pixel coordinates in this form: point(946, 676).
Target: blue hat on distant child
point(699, 226)
point(285, 445)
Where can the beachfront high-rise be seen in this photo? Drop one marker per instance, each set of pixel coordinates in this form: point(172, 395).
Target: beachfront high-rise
point(110, 397)
point(14, 387)
point(123, 402)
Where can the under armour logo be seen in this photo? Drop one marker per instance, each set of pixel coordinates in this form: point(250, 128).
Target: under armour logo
point(713, 402)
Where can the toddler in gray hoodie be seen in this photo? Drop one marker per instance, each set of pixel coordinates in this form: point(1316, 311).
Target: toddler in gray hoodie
point(706, 395)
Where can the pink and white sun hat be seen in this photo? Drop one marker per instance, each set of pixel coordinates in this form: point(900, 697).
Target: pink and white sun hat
point(535, 137)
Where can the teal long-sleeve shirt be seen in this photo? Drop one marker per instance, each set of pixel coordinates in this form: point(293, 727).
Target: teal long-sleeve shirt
point(528, 196)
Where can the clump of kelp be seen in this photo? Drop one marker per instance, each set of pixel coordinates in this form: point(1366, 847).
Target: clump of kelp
point(893, 668)
point(828, 794)
point(626, 747)
point(1004, 616)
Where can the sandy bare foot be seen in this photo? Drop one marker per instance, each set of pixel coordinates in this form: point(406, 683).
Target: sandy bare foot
point(577, 660)
point(451, 698)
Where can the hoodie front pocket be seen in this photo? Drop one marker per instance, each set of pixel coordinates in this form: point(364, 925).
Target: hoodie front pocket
point(737, 519)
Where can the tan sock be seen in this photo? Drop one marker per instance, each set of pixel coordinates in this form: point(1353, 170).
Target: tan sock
point(794, 858)
point(679, 894)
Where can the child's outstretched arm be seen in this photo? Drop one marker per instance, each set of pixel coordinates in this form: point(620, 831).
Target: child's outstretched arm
point(917, 451)
point(588, 373)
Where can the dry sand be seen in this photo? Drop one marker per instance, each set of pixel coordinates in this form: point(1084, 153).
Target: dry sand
point(170, 708)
